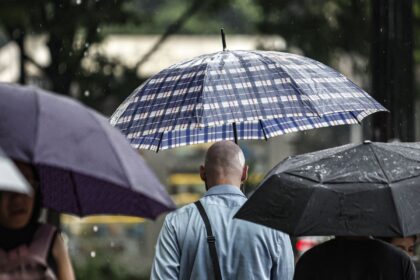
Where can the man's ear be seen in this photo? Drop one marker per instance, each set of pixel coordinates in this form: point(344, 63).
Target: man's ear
point(203, 173)
point(244, 173)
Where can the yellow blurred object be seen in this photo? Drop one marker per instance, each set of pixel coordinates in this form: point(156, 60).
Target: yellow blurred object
point(185, 179)
point(185, 198)
point(255, 178)
point(103, 219)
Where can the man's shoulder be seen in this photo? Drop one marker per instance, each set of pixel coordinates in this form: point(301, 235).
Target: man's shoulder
point(181, 212)
point(392, 251)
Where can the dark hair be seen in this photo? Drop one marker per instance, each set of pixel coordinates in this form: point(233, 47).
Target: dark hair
point(389, 239)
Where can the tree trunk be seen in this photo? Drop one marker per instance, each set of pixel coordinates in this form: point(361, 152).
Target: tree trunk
point(20, 41)
point(60, 71)
point(392, 69)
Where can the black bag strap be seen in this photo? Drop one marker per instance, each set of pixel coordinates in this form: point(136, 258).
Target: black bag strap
point(211, 240)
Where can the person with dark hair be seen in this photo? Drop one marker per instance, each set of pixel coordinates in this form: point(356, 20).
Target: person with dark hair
point(354, 258)
point(29, 249)
point(406, 244)
point(203, 241)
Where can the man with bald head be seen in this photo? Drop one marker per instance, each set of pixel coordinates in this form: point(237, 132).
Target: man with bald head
point(241, 250)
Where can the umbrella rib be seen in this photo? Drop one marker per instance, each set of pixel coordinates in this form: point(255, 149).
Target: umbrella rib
point(293, 84)
point(300, 176)
point(121, 162)
point(38, 103)
point(399, 220)
point(354, 116)
point(335, 183)
point(302, 214)
point(379, 163)
point(76, 194)
point(403, 155)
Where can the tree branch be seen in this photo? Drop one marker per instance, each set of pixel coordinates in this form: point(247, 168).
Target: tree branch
point(173, 28)
point(36, 64)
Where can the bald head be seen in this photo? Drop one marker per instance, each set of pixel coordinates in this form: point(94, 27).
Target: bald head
point(224, 164)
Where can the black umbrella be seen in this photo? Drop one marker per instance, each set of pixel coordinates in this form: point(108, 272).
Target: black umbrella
point(352, 190)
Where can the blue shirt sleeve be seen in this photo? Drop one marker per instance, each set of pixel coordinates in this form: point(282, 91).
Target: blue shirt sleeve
point(283, 265)
point(167, 258)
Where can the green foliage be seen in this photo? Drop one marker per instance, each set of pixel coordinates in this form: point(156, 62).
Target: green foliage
point(72, 27)
point(319, 28)
point(101, 267)
point(236, 16)
point(107, 85)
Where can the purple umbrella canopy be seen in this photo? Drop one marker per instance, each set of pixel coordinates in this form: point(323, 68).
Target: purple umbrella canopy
point(85, 166)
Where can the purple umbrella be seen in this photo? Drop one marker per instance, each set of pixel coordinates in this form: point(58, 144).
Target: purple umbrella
point(85, 166)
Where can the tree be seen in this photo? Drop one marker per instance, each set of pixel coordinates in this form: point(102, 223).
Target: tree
point(71, 28)
point(319, 29)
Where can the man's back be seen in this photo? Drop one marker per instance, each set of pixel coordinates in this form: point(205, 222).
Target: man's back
point(354, 259)
point(245, 250)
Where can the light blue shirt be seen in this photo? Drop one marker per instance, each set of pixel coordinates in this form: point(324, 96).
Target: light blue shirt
point(246, 250)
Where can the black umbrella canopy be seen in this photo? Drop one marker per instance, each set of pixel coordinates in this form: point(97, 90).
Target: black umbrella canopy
point(352, 190)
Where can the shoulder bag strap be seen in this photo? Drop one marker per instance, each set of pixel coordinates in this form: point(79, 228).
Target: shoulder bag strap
point(211, 240)
point(42, 241)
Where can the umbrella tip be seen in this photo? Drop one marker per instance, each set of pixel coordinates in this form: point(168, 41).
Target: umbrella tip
point(222, 32)
point(367, 142)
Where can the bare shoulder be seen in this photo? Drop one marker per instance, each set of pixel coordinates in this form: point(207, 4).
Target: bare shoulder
point(62, 258)
point(59, 248)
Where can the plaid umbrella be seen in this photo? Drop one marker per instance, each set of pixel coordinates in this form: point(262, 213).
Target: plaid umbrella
point(239, 95)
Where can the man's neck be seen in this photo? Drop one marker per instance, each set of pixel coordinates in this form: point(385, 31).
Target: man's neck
point(224, 183)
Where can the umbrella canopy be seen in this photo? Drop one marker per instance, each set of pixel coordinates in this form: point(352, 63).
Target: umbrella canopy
point(239, 95)
point(10, 178)
point(352, 190)
point(85, 165)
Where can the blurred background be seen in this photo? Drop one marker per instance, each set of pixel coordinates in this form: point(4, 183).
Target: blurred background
point(99, 51)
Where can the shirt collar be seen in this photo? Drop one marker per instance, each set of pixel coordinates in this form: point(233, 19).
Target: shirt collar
point(224, 189)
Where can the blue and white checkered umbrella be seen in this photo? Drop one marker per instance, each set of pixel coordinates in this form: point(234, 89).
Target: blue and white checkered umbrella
point(242, 95)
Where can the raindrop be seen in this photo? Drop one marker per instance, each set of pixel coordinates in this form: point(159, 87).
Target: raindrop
point(85, 53)
point(381, 30)
point(87, 94)
point(78, 2)
point(95, 228)
point(112, 244)
point(86, 45)
point(92, 254)
point(98, 30)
